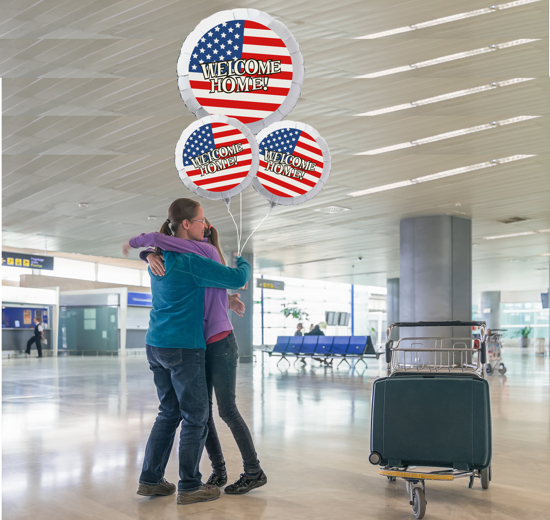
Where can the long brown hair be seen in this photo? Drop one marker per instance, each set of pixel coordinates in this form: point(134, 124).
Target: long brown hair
point(214, 238)
point(179, 210)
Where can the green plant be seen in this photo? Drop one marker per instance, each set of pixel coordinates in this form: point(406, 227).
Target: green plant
point(523, 333)
point(292, 309)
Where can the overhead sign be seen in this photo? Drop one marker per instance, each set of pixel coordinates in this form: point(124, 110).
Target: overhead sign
point(262, 283)
point(140, 299)
point(27, 261)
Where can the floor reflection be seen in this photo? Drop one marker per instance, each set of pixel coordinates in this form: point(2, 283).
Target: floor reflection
point(74, 433)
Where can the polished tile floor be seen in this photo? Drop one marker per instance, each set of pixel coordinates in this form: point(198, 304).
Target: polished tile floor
point(74, 431)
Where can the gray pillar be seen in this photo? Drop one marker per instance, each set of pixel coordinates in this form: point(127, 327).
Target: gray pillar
point(242, 327)
point(490, 309)
point(435, 274)
point(392, 305)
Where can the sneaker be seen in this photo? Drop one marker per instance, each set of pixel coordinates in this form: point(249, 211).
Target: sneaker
point(164, 488)
point(204, 494)
point(217, 479)
point(246, 484)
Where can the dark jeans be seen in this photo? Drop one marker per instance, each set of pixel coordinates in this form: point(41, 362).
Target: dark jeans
point(221, 376)
point(38, 341)
point(180, 379)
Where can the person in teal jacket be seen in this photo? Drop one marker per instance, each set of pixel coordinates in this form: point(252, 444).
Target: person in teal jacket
point(175, 348)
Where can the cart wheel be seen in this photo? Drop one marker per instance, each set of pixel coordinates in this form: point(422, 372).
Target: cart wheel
point(419, 503)
point(502, 369)
point(485, 478)
point(392, 479)
point(489, 369)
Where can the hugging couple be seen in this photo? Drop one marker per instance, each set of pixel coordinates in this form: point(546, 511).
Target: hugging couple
point(192, 352)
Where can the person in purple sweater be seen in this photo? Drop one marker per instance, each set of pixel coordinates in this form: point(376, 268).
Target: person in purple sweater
point(221, 355)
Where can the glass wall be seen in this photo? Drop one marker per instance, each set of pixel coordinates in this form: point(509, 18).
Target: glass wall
point(516, 316)
point(316, 298)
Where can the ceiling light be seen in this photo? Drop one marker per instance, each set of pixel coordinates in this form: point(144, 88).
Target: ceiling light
point(332, 209)
point(496, 237)
point(439, 175)
point(545, 254)
point(450, 57)
point(82, 204)
point(446, 19)
point(448, 135)
point(151, 217)
point(544, 231)
point(445, 97)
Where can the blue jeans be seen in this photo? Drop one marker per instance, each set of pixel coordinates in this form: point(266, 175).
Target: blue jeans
point(221, 377)
point(179, 376)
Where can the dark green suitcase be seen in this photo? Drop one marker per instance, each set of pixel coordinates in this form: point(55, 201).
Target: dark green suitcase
point(439, 420)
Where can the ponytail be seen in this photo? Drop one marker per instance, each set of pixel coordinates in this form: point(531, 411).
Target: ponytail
point(179, 210)
point(214, 238)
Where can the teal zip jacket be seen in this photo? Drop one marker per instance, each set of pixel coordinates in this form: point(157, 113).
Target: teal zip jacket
point(177, 318)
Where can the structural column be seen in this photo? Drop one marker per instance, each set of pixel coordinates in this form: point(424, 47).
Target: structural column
point(242, 327)
point(392, 305)
point(490, 309)
point(435, 274)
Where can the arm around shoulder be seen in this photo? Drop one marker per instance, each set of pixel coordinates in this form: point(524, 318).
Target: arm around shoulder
point(208, 273)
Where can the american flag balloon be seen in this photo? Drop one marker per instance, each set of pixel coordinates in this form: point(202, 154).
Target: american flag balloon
point(217, 157)
point(294, 163)
point(241, 64)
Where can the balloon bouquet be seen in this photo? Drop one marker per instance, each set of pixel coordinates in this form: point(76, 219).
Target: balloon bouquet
point(241, 72)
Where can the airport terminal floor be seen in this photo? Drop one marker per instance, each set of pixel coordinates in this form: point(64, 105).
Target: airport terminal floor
point(75, 430)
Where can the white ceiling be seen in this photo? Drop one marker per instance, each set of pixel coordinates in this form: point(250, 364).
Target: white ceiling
point(92, 113)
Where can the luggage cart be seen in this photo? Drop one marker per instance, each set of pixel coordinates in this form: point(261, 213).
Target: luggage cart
point(431, 417)
point(494, 352)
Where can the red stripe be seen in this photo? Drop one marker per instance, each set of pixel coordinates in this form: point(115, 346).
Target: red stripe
point(227, 103)
point(285, 60)
point(262, 175)
point(273, 91)
point(313, 149)
point(307, 136)
point(257, 40)
point(223, 188)
point(319, 164)
point(277, 192)
point(307, 182)
point(249, 24)
point(232, 177)
point(227, 133)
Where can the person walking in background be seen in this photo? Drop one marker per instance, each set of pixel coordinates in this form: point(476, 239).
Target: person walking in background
point(37, 338)
point(222, 354)
point(175, 350)
point(299, 328)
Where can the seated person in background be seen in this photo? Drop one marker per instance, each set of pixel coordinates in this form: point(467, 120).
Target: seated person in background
point(299, 328)
point(316, 331)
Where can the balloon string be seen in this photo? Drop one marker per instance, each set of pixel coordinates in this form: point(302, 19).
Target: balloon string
point(241, 250)
point(234, 222)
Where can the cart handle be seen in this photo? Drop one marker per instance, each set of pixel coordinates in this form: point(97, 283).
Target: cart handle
point(455, 323)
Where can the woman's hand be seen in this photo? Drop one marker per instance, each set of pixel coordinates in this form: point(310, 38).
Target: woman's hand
point(126, 248)
point(236, 305)
point(156, 263)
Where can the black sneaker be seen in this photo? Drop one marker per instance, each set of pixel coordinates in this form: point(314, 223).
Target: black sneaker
point(246, 484)
point(217, 479)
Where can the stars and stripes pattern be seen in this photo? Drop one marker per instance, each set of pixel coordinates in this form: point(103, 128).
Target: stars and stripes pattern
point(300, 144)
point(209, 137)
point(234, 40)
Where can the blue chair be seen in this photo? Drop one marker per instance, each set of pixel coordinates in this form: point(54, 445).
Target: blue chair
point(281, 345)
point(309, 345)
point(295, 345)
point(340, 345)
point(357, 347)
point(324, 344)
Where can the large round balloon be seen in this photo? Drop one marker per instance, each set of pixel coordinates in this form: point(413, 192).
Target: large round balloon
point(241, 64)
point(294, 163)
point(217, 157)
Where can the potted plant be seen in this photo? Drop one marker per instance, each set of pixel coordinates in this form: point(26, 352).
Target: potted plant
point(292, 309)
point(523, 335)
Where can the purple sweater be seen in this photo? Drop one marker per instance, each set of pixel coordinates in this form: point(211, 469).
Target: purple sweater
point(216, 304)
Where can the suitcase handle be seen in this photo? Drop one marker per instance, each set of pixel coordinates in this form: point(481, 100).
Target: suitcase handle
point(455, 323)
point(483, 353)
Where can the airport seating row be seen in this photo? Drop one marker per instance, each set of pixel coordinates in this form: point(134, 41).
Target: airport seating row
point(324, 348)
